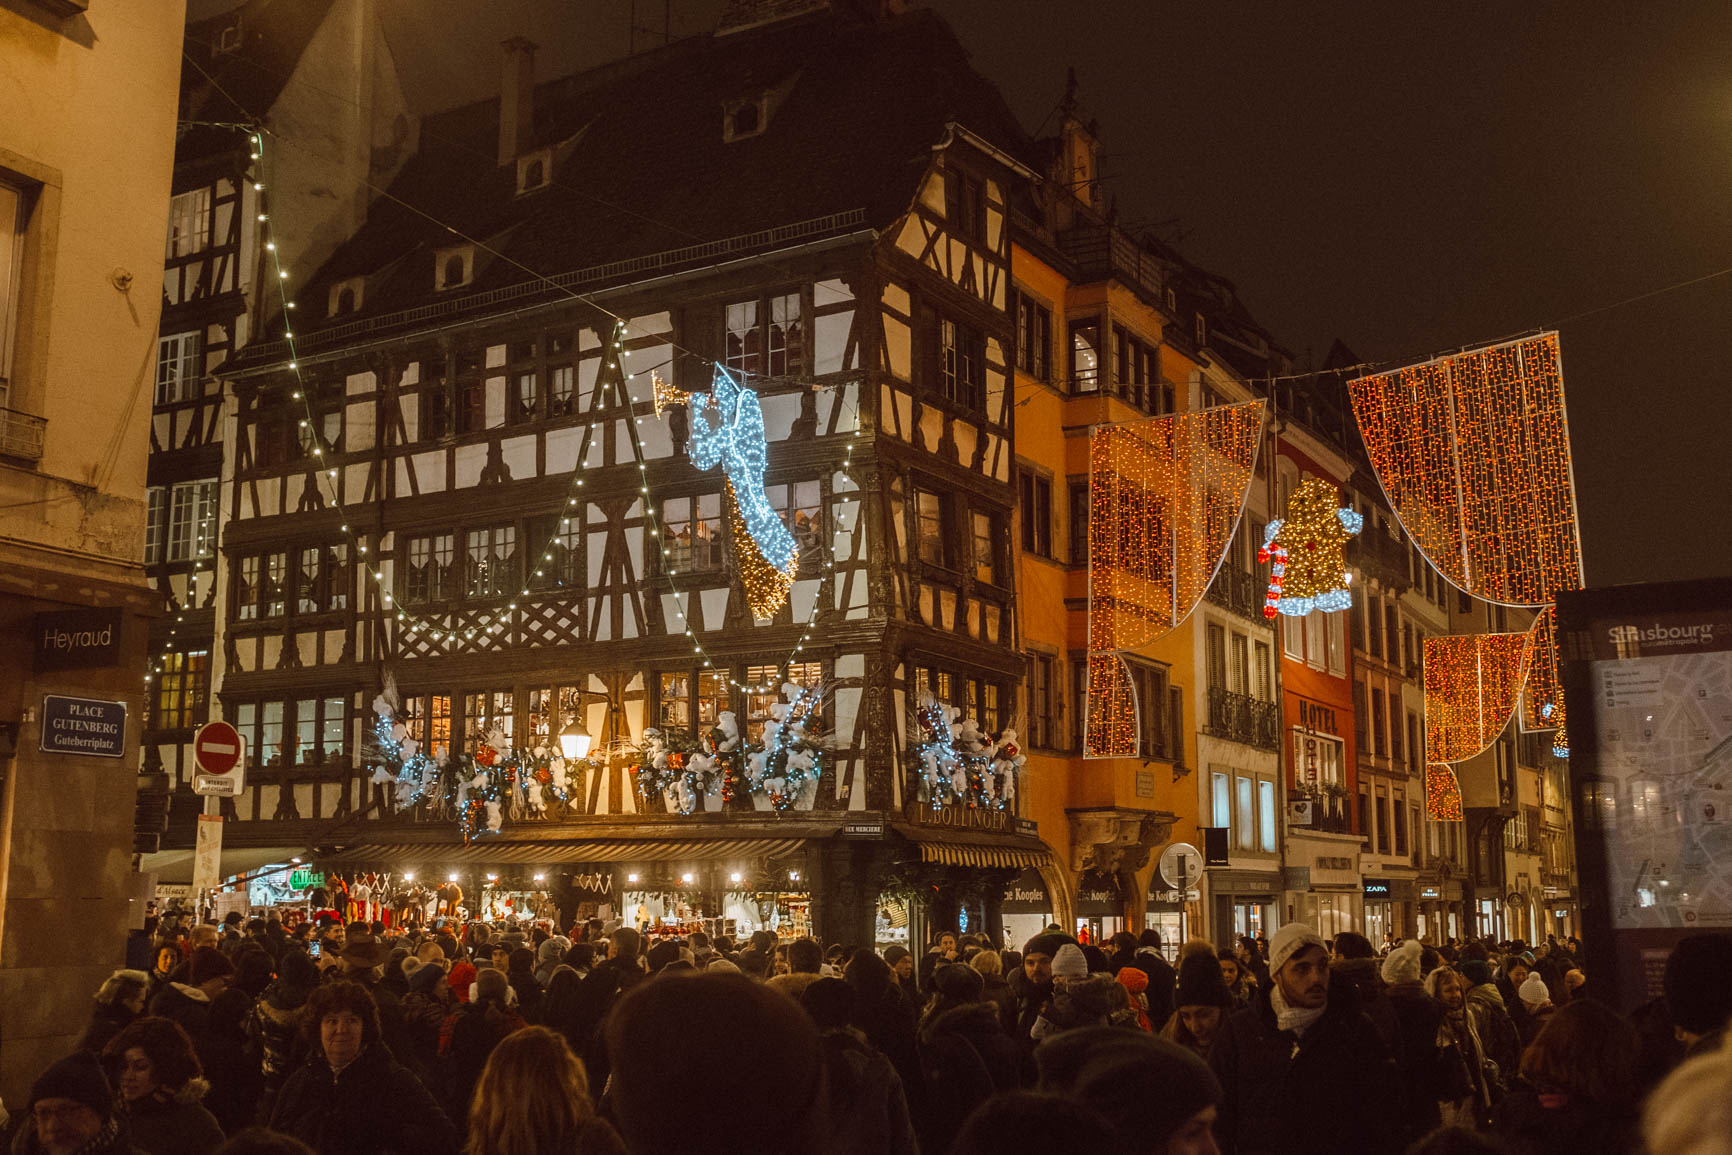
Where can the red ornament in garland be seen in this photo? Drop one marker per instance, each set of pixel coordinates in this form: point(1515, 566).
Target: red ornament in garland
point(486, 755)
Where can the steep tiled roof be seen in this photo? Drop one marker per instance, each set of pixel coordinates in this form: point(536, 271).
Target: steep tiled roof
point(240, 85)
point(643, 168)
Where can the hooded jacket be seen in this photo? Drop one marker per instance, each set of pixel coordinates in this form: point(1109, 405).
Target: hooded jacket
point(1418, 1061)
point(1310, 1094)
point(374, 1106)
point(1084, 1002)
point(174, 1122)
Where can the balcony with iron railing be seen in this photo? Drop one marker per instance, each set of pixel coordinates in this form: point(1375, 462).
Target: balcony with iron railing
point(1102, 251)
point(22, 435)
point(1239, 591)
point(1378, 556)
point(1242, 718)
point(1329, 811)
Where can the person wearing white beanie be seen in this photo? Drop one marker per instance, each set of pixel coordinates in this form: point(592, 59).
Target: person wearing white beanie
point(1303, 1051)
point(1402, 965)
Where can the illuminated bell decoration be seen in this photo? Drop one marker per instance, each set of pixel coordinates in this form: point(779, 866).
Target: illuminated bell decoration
point(1165, 498)
point(1308, 552)
point(727, 428)
point(1471, 685)
point(1473, 451)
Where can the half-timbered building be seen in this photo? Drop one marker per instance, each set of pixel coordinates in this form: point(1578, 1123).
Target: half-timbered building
point(453, 485)
point(251, 78)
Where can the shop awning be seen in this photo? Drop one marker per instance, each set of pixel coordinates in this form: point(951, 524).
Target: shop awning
point(175, 866)
point(488, 853)
point(967, 854)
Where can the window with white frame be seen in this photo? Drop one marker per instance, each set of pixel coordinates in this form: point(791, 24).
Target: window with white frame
point(1266, 815)
point(13, 212)
point(191, 522)
point(1293, 638)
point(1315, 639)
point(155, 523)
point(177, 368)
point(189, 223)
point(765, 337)
point(1220, 800)
point(1333, 642)
point(1244, 831)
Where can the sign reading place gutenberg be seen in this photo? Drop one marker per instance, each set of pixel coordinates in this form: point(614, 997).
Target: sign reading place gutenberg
point(83, 726)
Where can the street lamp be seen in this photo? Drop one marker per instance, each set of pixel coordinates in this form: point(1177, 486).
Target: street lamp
point(574, 740)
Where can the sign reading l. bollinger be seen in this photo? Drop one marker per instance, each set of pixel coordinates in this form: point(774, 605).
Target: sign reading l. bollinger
point(83, 726)
point(77, 639)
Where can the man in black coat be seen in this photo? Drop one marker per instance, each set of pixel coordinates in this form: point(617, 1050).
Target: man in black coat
point(1162, 979)
point(1302, 1070)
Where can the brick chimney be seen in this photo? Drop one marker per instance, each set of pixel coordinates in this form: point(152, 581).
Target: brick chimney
point(516, 98)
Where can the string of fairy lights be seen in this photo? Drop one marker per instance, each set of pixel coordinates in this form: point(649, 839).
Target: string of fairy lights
point(611, 375)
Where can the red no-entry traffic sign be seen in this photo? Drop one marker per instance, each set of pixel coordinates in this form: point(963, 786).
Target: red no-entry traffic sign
point(216, 747)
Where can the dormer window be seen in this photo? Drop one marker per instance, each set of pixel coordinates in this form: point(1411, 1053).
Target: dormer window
point(743, 118)
point(228, 39)
point(454, 267)
point(345, 297)
point(534, 170)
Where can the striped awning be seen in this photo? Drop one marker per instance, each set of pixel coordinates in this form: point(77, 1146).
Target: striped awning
point(967, 854)
point(484, 852)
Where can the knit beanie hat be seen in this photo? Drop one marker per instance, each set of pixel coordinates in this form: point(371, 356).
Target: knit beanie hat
point(77, 1077)
point(895, 954)
point(1476, 970)
point(1047, 943)
point(1533, 991)
point(208, 963)
point(1201, 984)
point(662, 953)
point(1698, 982)
point(425, 977)
point(552, 950)
point(1069, 962)
point(728, 1027)
point(959, 982)
point(462, 974)
point(1289, 941)
point(1133, 979)
point(1402, 965)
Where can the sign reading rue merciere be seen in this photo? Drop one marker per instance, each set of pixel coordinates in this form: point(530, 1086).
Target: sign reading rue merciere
point(83, 726)
point(77, 639)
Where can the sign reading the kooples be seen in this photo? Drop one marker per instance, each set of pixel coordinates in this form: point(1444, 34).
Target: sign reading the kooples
point(77, 639)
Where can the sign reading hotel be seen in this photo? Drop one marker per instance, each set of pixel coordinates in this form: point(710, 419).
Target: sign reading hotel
point(83, 726)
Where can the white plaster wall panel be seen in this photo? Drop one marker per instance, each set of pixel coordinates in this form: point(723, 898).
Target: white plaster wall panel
point(411, 375)
point(831, 292)
point(650, 325)
point(965, 436)
point(932, 426)
point(658, 440)
point(830, 341)
point(802, 598)
point(924, 601)
point(562, 450)
point(354, 481)
point(715, 604)
point(895, 297)
point(993, 617)
point(898, 348)
point(519, 456)
point(359, 429)
point(495, 398)
point(850, 666)
point(973, 618)
point(947, 609)
point(466, 472)
point(410, 403)
point(642, 361)
point(270, 651)
point(495, 356)
point(932, 191)
point(780, 413)
point(270, 491)
point(911, 238)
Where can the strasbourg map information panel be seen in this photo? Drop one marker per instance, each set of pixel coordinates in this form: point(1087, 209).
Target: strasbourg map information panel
point(1662, 687)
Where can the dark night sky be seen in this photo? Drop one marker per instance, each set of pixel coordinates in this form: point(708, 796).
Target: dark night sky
point(1409, 178)
point(1415, 183)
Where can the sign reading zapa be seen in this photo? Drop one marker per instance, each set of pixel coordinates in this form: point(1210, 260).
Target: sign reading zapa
point(77, 639)
point(86, 726)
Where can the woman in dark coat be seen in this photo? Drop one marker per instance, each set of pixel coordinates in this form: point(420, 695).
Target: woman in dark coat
point(161, 1085)
point(887, 1022)
point(1578, 1086)
point(119, 1001)
point(351, 1097)
point(276, 1018)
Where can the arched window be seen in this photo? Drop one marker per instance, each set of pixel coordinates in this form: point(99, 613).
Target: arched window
point(346, 300)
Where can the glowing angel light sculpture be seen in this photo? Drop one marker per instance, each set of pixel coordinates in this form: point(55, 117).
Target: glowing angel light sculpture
point(728, 429)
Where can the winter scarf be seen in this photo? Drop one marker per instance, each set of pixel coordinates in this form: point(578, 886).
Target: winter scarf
point(1291, 1018)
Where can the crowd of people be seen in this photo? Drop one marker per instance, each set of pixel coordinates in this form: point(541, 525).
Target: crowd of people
point(245, 1039)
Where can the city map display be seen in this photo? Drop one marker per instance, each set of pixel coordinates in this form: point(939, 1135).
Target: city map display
point(1662, 687)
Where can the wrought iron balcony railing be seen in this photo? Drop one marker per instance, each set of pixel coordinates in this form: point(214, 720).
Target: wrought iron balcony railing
point(1242, 718)
point(21, 435)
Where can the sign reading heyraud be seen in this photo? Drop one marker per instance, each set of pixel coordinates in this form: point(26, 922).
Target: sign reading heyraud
point(83, 726)
point(77, 639)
